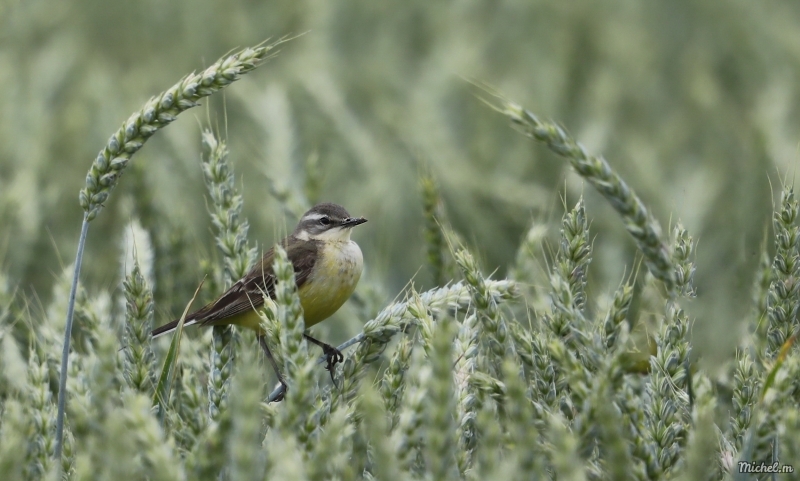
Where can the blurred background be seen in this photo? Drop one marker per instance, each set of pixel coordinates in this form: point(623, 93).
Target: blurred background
point(693, 102)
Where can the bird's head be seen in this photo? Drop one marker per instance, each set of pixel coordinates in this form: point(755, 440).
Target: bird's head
point(326, 222)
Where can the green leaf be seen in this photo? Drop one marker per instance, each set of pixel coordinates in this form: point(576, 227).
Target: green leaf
point(161, 395)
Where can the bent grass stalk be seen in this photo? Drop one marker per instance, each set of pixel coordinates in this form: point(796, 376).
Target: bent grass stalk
point(103, 176)
point(639, 223)
point(394, 318)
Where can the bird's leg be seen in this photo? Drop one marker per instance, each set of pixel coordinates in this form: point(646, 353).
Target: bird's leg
point(263, 341)
point(333, 356)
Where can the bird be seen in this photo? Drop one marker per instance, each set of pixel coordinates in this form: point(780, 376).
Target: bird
point(327, 266)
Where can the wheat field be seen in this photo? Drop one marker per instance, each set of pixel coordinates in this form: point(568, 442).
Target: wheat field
point(581, 261)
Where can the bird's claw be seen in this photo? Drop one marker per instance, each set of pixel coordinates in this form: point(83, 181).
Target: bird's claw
point(333, 357)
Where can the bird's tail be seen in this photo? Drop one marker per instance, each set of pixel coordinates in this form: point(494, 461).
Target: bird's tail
point(189, 319)
point(170, 327)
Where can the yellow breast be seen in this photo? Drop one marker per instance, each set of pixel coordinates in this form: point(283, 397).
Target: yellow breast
point(334, 278)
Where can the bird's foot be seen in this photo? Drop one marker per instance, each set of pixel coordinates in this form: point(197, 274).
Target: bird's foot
point(333, 357)
point(281, 390)
point(282, 380)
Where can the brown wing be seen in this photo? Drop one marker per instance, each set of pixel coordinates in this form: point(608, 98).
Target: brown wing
point(303, 255)
point(247, 293)
point(244, 295)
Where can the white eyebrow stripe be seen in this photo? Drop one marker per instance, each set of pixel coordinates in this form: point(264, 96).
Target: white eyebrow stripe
point(312, 217)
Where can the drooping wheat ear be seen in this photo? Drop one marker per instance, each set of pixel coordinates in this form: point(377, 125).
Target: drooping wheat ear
point(156, 114)
point(110, 162)
point(638, 221)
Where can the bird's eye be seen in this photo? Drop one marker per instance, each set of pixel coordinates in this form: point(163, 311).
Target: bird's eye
point(325, 220)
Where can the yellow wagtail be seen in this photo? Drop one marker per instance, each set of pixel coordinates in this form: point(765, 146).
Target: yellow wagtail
point(327, 267)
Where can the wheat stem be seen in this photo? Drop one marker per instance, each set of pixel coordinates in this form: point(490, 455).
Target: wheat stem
point(110, 162)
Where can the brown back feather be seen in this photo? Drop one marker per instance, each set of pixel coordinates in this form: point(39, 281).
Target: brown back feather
point(247, 293)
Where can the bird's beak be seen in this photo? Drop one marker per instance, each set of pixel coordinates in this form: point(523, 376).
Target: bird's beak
point(353, 221)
